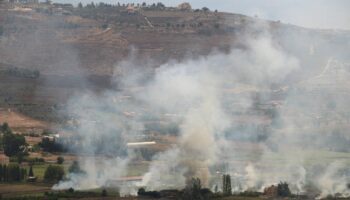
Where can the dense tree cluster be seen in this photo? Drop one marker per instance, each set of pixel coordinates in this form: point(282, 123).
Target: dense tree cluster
point(50, 145)
point(12, 144)
point(53, 173)
point(12, 173)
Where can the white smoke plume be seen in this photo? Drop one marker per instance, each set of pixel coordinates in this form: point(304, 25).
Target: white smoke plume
point(209, 96)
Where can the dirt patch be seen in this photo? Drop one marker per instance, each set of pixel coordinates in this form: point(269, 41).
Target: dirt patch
point(19, 121)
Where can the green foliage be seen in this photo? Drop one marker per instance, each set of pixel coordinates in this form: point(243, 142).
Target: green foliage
point(1, 30)
point(35, 160)
point(53, 173)
point(149, 194)
point(283, 189)
point(75, 168)
point(104, 193)
point(12, 173)
point(71, 194)
point(193, 190)
point(226, 185)
point(31, 174)
point(80, 5)
point(5, 128)
point(60, 160)
point(250, 194)
point(50, 145)
point(104, 26)
point(205, 9)
point(11, 143)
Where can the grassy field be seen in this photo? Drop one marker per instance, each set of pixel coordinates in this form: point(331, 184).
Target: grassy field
point(39, 170)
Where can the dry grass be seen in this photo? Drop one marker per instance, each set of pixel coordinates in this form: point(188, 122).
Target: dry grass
point(11, 190)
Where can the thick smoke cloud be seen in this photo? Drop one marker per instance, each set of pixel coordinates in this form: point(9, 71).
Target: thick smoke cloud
point(210, 97)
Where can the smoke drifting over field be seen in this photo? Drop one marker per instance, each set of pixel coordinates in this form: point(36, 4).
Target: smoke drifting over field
point(208, 95)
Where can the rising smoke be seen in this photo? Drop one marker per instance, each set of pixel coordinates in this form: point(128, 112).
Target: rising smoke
point(223, 126)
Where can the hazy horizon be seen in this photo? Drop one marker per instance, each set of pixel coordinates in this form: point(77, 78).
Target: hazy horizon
point(323, 14)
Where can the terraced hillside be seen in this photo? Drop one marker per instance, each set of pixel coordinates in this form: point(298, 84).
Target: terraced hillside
point(47, 56)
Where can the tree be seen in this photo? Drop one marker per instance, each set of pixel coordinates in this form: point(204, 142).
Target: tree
point(12, 143)
point(60, 160)
point(205, 9)
point(5, 128)
point(144, 4)
point(75, 168)
point(4, 173)
point(1, 173)
point(50, 145)
point(283, 189)
point(80, 5)
point(193, 190)
point(160, 5)
point(104, 193)
point(226, 185)
point(31, 174)
point(53, 173)
point(13, 171)
point(23, 173)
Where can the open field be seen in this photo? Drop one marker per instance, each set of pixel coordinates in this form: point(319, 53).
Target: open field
point(24, 189)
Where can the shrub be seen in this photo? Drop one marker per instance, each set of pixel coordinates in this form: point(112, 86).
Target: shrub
point(104, 193)
point(283, 189)
point(31, 174)
point(60, 160)
point(53, 173)
point(75, 168)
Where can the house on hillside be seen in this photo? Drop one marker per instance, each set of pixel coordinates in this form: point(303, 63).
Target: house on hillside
point(185, 6)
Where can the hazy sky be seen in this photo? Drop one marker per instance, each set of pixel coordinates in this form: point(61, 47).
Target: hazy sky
point(308, 13)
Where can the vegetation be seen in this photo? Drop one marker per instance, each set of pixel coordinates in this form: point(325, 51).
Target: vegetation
point(12, 144)
point(75, 168)
point(50, 145)
point(1, 30)
point(60, 160)
point(53, 173)
point(193, 190)
point(151, 194)
point(12, 173)
point(31, 174)
point(226, 185)
point(283, 189)
point(71, 194)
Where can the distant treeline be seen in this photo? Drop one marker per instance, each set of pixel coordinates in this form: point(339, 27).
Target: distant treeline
point(12, 173)
point(18, 72)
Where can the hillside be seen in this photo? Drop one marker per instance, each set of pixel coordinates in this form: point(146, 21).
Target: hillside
point(76, 48)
